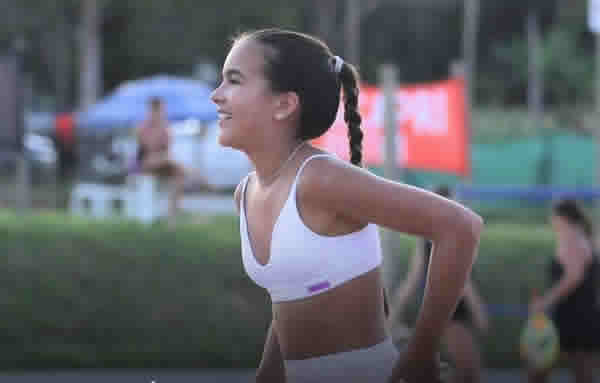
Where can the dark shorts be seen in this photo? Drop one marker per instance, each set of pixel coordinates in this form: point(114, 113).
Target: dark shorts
point(578, 330)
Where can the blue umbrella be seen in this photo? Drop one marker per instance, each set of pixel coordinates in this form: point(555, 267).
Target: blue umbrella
point(128, 104)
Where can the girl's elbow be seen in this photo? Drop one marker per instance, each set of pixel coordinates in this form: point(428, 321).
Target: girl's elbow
point(463, 225)
point(477, 224)
point(471, 227)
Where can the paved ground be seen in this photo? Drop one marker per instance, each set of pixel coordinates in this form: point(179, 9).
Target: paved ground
point(202, 376)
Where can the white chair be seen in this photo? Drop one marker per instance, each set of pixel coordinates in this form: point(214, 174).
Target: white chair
point(147, 198)
point(96, 200)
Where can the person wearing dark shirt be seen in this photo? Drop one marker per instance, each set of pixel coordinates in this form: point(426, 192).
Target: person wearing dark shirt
point(470, 314)
point(573, 298)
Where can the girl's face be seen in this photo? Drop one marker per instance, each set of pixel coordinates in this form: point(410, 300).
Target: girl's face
point(559, 224)
point(244, 99)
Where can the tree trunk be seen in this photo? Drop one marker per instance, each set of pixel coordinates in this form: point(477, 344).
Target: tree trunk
point(352, 31)
point(326, 25)
point(469, 45)
point(469, 61)
point(569, 12)
point(535, 90)
point(62, 63)
point(90, 53)
point(535, 95)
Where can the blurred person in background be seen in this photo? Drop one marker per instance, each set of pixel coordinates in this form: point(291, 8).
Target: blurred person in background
point(572, 298)
point(309, 220)
point(153, 153)
point(470, 314)
point(65, 145)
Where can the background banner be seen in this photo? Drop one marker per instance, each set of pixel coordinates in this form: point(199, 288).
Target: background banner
point(432, 128)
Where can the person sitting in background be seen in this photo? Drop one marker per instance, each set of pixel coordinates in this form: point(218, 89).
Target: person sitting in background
point(470, 314)
point(153, 156)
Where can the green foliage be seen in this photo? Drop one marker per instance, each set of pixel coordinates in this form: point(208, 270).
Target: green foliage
point(151, 36)
point(568, 71)
point(78, 293)
point(85, 294)
point(143, 37)
point(27, 16)
point(512, 260)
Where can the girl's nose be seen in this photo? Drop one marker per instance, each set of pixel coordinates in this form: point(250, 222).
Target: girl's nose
point(216, 95)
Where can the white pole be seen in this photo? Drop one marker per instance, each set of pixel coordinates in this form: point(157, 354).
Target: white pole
point(23, 184)
point(90, 52)
point(469, 59)
point(388, 80)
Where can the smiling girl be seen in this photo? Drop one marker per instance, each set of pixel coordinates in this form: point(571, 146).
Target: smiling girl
point(309, 221)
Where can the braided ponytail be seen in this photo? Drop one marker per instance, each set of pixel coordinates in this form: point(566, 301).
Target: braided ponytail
point(349, 80)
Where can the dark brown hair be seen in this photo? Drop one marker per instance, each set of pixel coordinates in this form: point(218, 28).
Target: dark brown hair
point(570, 210)
point(300, 63)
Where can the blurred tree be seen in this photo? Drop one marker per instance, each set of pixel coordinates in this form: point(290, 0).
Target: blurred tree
point(502, 23)
point(326, 21)
point(49, 30)
point(352, 30)
point(421, 41)
point(568, 71)
point(143, 37)
point(150, 36)
point(139, 37)
point(90, 51)
point(470, 30)
point(356, 12)
point(571, 13)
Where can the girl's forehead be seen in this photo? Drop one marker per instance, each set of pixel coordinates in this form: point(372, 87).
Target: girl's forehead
point(246, 56)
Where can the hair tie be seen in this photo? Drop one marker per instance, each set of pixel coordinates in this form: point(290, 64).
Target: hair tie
point(338, 62)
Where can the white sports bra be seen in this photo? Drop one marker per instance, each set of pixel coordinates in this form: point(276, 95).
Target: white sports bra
point(301, 262)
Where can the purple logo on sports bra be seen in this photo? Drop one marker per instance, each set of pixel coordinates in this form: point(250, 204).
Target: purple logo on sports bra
point(318, 286)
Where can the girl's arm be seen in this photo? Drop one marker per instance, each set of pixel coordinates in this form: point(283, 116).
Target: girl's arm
point(476, 306)
point(271, 368)
point(409, 285)
point(349, 191)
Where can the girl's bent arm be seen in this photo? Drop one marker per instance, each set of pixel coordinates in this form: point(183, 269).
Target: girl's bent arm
point(271, 368)
point(409, 285)
point(349, 191)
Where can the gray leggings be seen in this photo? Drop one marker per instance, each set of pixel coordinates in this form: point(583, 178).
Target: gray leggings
point(373, 364)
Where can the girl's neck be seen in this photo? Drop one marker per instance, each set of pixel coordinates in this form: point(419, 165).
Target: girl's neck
point(273, 163)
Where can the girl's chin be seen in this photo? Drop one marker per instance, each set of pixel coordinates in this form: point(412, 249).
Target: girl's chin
point(226, 140)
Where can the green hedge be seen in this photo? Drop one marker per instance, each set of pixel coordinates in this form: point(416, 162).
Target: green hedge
point(80, 294)
point(77, 293)
point(513, 259)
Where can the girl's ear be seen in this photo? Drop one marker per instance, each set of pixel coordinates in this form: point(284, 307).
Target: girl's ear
point(287, 104)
